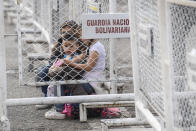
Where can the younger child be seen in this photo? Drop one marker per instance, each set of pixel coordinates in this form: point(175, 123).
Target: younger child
point(72, 48)
point(72, 51)
point(57, 53)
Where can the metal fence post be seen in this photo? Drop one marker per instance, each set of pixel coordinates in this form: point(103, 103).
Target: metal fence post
point(112, 9)
point(71, 13)
point(20, 65)
point(166, 72)
point(5, 125)
point(134, 55)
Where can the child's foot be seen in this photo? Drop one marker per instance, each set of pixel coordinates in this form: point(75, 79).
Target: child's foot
point(54, 115)
point(111, 113)
point(65, 110)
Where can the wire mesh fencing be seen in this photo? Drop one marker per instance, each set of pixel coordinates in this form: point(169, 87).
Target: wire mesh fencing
point(50, 50)
point(182, 44)
point(149, 61)
point(10, 9)
point(153, 86)
point(44, 30)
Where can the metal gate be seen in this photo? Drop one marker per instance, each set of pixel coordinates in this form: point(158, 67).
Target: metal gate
point(39, 28)
point(163, 62)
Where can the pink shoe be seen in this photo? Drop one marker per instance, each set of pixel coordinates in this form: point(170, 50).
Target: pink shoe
point(65, 110)
point(69, 109)
point(111, 113)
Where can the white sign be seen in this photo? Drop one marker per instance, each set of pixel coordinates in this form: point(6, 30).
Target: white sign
point(105, 26)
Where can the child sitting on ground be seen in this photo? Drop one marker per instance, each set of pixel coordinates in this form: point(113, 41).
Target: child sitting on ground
point(70, 46)
point(73, 50)
point(57, 53)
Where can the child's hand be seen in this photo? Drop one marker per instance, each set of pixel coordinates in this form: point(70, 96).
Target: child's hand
point(52, 67)
point(67, 62)
point(59, 62)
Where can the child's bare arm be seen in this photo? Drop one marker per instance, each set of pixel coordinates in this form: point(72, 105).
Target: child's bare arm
point(79, 58)
point(92, 60)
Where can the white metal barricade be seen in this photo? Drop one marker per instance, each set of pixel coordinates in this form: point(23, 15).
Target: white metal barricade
point(147, 59)
point(39, 51)
point(3, 82)
point(39, 26)
point(163, 46)
point(181, 40)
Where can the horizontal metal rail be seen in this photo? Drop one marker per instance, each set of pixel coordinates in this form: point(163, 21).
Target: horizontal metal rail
point(6, 35)
point(70, 99)
point(76, 81)
point(123, 122)
point(183, 2)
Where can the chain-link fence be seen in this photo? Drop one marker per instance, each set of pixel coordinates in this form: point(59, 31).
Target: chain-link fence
point(182, 24)
point(42, 24)
point(50, 50)
point(166, 72)
point(41, 27)
point(10, 10)
point(149, 62)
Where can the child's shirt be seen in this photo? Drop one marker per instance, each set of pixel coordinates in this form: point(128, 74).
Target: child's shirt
point(97, 73)
point(69, 57)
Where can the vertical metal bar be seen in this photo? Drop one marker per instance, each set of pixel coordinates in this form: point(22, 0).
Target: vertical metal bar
point(45, 19)
point(34, 13)
point(3, 80)
point(166, 72)
point(70, 9)
point(19, 46)
point(43, 16)
point(134, 51)
point(75, 9)
point(112, 9)
point(49, 13)
point(58, 89)
point(50, 26)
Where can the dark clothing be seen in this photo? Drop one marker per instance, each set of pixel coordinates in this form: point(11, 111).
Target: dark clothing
point(57, 53)
point(67, 91)
point(88, 88)
point(60, 107)
point(42, 73)
point(42, 76)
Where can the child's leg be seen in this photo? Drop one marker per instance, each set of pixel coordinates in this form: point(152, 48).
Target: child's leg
point(42, 76)
point(94, 112)
point(60, 107)
point(88, 88)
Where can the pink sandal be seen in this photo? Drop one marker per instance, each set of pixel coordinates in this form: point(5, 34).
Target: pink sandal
point(111, 113)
